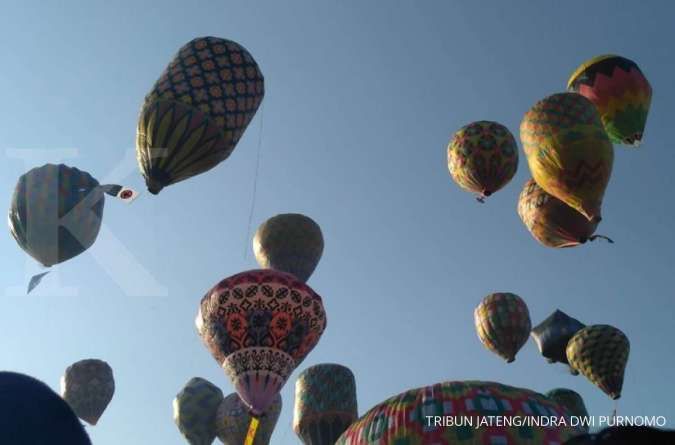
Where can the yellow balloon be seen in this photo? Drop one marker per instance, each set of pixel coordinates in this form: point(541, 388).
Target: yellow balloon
point(568, 151)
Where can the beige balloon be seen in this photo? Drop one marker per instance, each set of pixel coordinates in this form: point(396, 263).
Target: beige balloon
point(88, 387)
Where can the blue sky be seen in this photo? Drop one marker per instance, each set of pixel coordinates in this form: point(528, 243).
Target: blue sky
point(361, 100)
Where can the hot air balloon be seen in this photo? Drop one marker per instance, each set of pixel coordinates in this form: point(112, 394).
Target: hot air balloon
point(259, 325)
point(197, 111)
point(503, 324)
point(552, 222)
point(88, 387)
point(31, 413)
point(600, 353)
point(482, 157)
point(621, 93)
point(194, 411)
point(289, 242)
point(456, 413)
point(553, 334)
point(56, 213)
point(568, 151)
point(233, 419)
point(572, 401)
point(325, 403)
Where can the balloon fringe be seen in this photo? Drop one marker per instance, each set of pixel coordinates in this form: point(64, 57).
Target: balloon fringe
point(594, 237)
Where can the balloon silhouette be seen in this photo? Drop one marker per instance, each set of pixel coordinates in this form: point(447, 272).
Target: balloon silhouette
point(325, 403)
point(621, 93)
point(503, 324)
point(568, 151)
point(482, 157)
point(88, 387)
point(197, 111)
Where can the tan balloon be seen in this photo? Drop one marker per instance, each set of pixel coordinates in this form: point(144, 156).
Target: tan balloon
point(290, 243)
point(88, 387)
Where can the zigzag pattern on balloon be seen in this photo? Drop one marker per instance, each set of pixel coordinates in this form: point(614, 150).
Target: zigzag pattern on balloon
point(600, 353)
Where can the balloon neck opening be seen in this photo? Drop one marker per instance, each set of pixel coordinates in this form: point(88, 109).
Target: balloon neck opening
point(487, 193)
point(154, 187)
point(582, 240)
point(510, 360)
point(156, 180)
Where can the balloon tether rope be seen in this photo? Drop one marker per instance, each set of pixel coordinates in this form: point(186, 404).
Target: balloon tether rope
point(255, 180)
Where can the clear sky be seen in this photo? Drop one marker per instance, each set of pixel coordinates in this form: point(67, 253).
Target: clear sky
point(361, 100)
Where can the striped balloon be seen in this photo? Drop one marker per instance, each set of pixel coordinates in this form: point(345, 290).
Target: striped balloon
point(568, 151)
point(233, 420)
point(194, 411)
point(503, 324)
point(550, 221)
point(621, 93)
point(88, 386)
point(325, 403)
point(482, 157)
point(422, 416)
point(197, 111)
point(289, 242)
point(56, 213)
point(600, 353)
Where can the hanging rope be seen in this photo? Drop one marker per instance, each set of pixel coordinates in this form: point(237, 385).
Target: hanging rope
point(594, 237)
point(255, 181)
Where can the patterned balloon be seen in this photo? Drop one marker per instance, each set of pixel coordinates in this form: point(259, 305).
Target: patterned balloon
point(411, 417)
point(550, 221)
point(482, 157)
point(233, 420)
point(568, 151)
point(600, 353)
point(259, 326)
point(553, 334)
point(56, 213)
point(289, 242)
point(194, 411)
point(325, 403)
point(620, 91)
point(88, 387)
point(570, 400)
point(503, 324)
point(197, 111)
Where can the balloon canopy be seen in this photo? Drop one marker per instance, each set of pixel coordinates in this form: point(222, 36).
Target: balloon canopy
point(197, 111)
point(570, 400)
point(503, 324)
point(553, 334)
point(259, 326)
point(568, 151)
point(56, 213)
point(88, 387)
point(621, 93)
point(550, 221)
point(325, 403)
point(600, 353)
point(289, 242)
point(233, 420)
point(482, 157)
point(194, 411)
point(405, 418)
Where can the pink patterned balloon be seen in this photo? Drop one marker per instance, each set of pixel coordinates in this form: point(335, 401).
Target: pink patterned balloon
point(260, 325)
